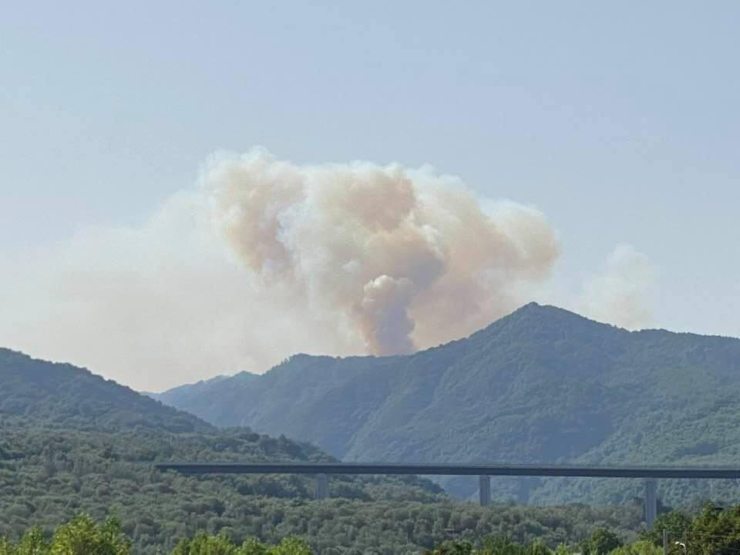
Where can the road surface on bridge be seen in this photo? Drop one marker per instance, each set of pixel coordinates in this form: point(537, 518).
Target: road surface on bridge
point(450, 469)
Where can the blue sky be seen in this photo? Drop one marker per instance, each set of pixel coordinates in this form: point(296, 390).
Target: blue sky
point(618, 121)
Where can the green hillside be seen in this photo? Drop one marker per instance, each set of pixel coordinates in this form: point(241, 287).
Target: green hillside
point(71, 397)
point(73, 442)
point(540, 385)
point(199, 396)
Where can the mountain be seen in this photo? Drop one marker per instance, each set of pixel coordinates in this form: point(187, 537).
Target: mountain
point(72, 397)
point(198, 395)
point(72, 442)
point(540, 385)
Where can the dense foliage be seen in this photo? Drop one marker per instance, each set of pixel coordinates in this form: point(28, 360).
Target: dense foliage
point(71, 397)
point(49, 476)
point(63, 455)
point(328, 528)
point(72, 443)
point(62, 451)
point(541, 385)
point(83, 536)
point(711, 532)
point(714, 531)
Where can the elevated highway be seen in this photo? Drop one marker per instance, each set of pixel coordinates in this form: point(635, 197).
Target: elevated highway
point(322, 471)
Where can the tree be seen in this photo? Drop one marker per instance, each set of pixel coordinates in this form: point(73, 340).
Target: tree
point(715, 532)
point(601, 542)
point(289, 546)
point(453, 548)
point(675, 523)
point(203, 544)
point(33, 542)
point(83, 536)
point(642, 547)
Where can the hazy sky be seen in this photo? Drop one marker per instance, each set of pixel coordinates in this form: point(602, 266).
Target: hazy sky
point(618, 121)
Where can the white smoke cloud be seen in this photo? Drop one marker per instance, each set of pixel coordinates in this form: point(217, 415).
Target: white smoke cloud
point(153, 306)
point(620, 294)
point(266, 258)
point(404, 258)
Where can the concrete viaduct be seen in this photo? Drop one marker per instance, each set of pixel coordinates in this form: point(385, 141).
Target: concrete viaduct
point(322, 471)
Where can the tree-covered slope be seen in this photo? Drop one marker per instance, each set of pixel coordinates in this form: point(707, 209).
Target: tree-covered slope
point(73, 442)
point(199, 396)
point(540, 385)
point(68, 396)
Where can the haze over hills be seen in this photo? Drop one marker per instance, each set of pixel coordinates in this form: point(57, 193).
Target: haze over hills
point(540, 385)
point(199, 395)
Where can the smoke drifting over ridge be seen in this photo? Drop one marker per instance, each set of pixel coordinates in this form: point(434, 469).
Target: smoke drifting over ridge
point(405, 258)
point(266, 258)
point(620, 293)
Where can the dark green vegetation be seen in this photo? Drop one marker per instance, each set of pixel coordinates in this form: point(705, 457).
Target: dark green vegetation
point(540, 385)
point(714, 531)
point(71, 443)
point(711, 532)
point(64, 395)
point(83, 536)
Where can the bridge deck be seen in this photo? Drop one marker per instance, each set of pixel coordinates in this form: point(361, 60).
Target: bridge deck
point(584, 471)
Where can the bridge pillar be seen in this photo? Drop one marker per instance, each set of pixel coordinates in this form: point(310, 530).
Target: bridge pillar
point(322, 486)
point(651, 502)
point(484, 490)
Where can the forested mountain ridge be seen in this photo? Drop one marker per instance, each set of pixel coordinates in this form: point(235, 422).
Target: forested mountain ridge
point(68, 396)
point(71, 442)
point(540, 385)
point(199, 396)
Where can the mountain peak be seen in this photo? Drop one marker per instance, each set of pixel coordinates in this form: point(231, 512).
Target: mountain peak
point(541, 384)
point(543, 323)
point(536, 311)
point(543, 311)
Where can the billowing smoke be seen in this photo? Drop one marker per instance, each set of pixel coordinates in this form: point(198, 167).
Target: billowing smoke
point(621, 292)
point(404, 258)
point(266, 258)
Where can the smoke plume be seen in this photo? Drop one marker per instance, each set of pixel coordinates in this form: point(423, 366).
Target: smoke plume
point(266, 258)
point(620, 293)
point(404, 258)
